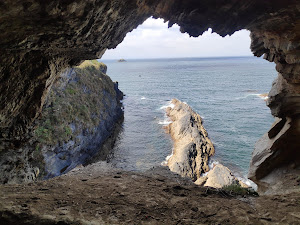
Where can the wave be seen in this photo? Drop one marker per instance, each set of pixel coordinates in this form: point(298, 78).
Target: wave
point(165, 122)
point(248, 182)
point(211, 164)
point(147, 98)
point(169, 104)
point(261, 96)
point(165, 162)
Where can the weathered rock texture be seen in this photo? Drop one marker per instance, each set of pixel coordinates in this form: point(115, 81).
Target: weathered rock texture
point(79, 121)
point(280, 147)
point(218, 177)
point(39, 39)
point(192, 147)
point(98, 194)
point(275, 155)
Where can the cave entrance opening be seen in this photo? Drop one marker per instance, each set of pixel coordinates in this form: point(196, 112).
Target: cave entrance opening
point(218, 77)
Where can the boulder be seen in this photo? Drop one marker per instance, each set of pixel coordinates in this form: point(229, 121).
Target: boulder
point(219, 177)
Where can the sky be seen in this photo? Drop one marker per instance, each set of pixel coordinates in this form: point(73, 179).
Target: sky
point(153, 39)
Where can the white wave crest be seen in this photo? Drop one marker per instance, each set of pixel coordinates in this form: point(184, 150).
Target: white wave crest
point(248, 182)
point(165, 122)
point(169, 104)
point(212, 163)
point(261, 96)
point(165, 162)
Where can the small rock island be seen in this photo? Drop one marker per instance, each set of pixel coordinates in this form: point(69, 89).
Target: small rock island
point(193, 149)
point(122, 60)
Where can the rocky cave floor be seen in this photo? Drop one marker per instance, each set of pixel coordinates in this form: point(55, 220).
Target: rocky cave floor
point(100, 194)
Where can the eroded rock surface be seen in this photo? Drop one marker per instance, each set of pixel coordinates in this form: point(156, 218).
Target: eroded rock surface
point(218, 177)
point(280, 147)
point(99, 194)
point(79, 122)
point(39, 40)
point(275, 155)
point(192, 147)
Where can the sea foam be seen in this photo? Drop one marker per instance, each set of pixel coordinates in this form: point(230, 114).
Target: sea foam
point(248, 182)
point(165, 162)
point(165, 122)
point(261, 96)
point(169, 104)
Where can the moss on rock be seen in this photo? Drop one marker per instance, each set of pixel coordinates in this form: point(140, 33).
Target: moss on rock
point(82, 101)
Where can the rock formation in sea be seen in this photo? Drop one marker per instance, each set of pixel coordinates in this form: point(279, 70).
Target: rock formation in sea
point(40, 39)
point(192, 147)
point(79, 121)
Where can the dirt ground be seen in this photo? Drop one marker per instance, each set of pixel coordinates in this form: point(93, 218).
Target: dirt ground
point(99, 194)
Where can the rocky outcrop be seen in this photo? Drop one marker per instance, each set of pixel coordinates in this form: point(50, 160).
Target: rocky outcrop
point(192, 147)
point(219, 177)
point(275, 155)
point(39, 40)
point(99, 194)
point(79, 122)
point(279, 148)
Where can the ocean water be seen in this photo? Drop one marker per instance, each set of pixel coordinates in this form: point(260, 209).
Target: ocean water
point(224, 91)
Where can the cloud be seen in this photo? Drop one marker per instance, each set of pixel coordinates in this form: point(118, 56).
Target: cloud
point(153, 39)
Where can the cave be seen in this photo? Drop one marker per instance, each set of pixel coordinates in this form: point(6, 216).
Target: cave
point(39, 40)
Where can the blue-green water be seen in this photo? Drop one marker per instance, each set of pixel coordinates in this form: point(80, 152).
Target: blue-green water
point(224, 91)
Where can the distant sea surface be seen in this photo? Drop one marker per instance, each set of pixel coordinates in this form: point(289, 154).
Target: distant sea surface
point(224, 91)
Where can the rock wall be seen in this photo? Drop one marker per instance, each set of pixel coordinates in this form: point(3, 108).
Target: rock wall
point(79, 121)
point(192, 147)
point(39, 39)
point(280, 147)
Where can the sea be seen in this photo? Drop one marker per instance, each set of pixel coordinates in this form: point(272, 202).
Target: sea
point(225, 91)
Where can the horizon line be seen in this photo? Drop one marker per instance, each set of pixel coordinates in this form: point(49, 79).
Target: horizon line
point(192, 57)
